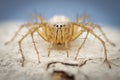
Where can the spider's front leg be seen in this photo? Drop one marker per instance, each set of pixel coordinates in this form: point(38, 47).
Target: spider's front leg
point(102, 42)
point(35, 47)
point(100, 29)
point(21, 27)
point(66, 46)
point(45, 37)
point(20, 41)
point(79, 19)
point(81, 45)
point(49, 49)
point(40, 18)
point(76, 35)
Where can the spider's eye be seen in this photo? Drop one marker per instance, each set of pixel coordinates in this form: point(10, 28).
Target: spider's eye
point(57, 25)
point(60, 25)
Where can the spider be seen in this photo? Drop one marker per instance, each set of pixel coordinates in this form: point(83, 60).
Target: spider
point(60, 30)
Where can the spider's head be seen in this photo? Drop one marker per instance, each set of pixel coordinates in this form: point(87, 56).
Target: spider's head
point(59, 21)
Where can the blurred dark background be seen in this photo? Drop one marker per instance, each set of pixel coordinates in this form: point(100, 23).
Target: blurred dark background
point(101, 11)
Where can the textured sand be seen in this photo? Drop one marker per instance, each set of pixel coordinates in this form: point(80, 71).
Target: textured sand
point(10, 58)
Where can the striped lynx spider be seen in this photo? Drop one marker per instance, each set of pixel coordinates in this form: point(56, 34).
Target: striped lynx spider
point(60, 30)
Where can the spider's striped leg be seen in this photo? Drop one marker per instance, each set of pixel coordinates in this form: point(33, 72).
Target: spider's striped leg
point(40, 18)
point(43, 35)
point(35, 47)
point(66, 46)
point(81, 45)
point(20, 47)
point(81, 18)
point(49, 49)
point(102, 42)
point(21, 27)
point(77, 34)
point(12, 39)
point(100, 29)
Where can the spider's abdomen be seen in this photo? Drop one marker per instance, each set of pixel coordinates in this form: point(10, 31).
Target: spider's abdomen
point(59, 19)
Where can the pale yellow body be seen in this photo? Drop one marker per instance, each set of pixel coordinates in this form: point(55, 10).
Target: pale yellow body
point(59, 35)
point(60, 30)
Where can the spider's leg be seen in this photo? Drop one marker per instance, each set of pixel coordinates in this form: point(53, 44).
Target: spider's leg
point(40, 18)
point(66, 46)
point(20, 47)
point(40, 33)
point(12, 39)
point(49, 49)
point(35, 47)
point(81, 18)
point(77, 21)
point(21, 27)
point(100, 29)
point(81, 45)
point(46, 39)
point(77, 34)
point(103, 43)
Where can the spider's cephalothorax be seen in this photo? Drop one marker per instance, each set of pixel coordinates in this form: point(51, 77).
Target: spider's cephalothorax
point(60, 30)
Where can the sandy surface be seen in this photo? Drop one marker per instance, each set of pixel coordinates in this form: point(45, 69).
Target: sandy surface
point(95, 69)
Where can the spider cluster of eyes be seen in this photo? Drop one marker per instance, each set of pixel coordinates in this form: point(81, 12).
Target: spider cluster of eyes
point(59, 25)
